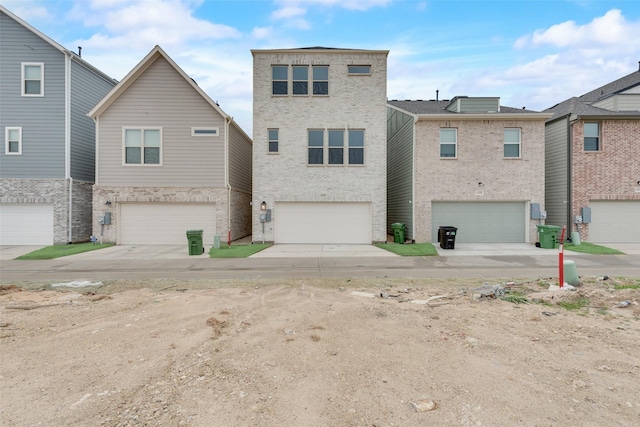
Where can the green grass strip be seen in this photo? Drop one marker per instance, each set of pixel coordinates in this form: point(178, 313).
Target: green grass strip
point(58, 251)
point(237, 251)
point(417, 249)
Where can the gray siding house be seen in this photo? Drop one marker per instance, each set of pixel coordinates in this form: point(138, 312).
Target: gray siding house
point(468, 163)
point(320, 156)
point(169, 160)
point(593, 162)
point(48, 150)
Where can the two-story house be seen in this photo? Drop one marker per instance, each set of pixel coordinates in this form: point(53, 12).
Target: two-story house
point(319, 160)
point(169, 160)
point(593, 162)
point(47, 156)
point(468, 163)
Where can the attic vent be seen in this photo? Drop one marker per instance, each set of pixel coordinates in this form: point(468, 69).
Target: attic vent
point(205, 131)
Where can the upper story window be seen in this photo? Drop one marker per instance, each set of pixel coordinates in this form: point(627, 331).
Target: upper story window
point(280, 79)
point(205, 131)
point(448, 143)
point(321, 80)
point(512, 142)
point(592, 137)
point(300, 79)
point(359, 70)
point(142, 146)
point(316, 147)
point(336, 147)
point(32, 79)
point(356, 146)
point(13, 141)
point(273, 135)
point(339, 149)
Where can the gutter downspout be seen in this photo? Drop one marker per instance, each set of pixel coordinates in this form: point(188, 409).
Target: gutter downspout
point(227, 121)
point(67, 139)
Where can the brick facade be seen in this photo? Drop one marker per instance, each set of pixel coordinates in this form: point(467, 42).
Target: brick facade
point(479, 159)
point(240, 224)
point(354, 102)
point(55, 192)
point(609, 174)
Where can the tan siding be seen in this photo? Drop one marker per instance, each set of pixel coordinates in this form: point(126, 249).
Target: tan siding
point(162, 98)
point(556, 178)
point(240, 152)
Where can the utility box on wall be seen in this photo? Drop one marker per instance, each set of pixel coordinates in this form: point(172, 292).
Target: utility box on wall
point(535, 211)
point(586, 215)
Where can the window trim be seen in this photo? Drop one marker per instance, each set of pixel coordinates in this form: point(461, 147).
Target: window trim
point(276, 141)
point(207, 132)
point(355, 147)
point(23, 79)
point(294, 80)
point(330, 147)
point(354, 73)
point(142, 163)
point(455, 144)
point(7, 142)
point(274, 80)
point(519, 143)
point(316, 147)
point(598, 140)
point(314, 81)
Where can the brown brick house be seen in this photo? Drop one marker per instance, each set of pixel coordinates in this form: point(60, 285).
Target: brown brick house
point(592, 175)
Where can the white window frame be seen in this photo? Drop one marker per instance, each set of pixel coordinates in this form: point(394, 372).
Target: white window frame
point(274, 80)
point(598, 138)
point(7, 141)
point(142, 163)
point(275, 140)
point(455, 143)
point(519, 143)
point(331, 148)
point(314, 80)
point(355, 147)
point(23, 78)
point(294, 80)
point(316, 147)
point(207, 132)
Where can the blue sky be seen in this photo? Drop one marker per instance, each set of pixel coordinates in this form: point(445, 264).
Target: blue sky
point(529, 53)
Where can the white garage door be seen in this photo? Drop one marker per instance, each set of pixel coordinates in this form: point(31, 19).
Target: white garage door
point(26, 224)
point(481, 222)
point(327, 223)
point(165, 223)
point(615, 221)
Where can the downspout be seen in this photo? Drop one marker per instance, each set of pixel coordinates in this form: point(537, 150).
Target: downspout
point(226, 176)
point(67, 138)
point(569, 173)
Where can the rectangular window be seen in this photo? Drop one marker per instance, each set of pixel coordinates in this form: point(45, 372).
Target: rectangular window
point(273, 140)
point(359, 70)
point(336, 147)
point(448, 142)
point(316, 147)
point(13, 141)
point(280, 79)
point(321, 80)
point(142, 146)
point(32, 79)
point(356, 147)
point(300, 80)
point(592, 137)
point(204, 131)
point(512, 142)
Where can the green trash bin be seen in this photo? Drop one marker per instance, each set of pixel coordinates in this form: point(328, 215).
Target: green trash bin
point(548, 235)
point(194, 237)
point(398, 232)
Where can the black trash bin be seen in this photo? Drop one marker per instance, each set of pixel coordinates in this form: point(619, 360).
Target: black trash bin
point(447, 237)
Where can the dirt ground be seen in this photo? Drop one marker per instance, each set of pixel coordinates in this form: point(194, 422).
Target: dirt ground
point(335, 352)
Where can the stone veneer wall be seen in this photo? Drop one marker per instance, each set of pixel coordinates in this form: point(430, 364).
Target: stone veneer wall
point(55, 192)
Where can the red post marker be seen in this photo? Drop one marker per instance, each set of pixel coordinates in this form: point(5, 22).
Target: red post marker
point(561, 258)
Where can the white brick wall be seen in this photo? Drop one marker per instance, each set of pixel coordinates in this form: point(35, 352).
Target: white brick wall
point(353, 102)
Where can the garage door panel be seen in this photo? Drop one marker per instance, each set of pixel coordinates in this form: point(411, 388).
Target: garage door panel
point(165, 223)
point(608, 218)
point(323, 223)
point(481, 222)
point(26, 224)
